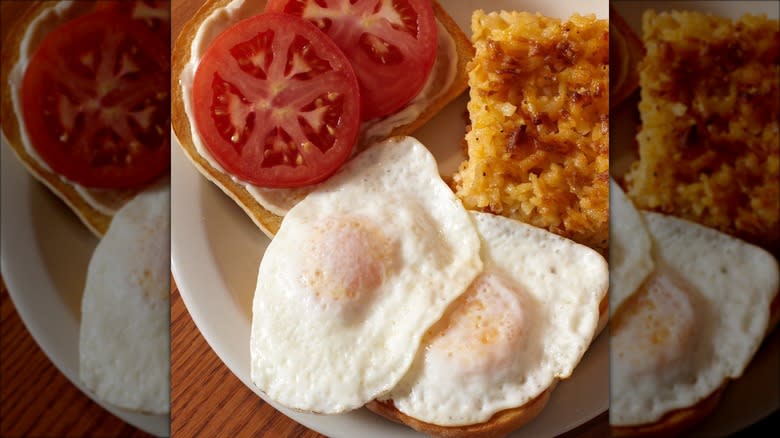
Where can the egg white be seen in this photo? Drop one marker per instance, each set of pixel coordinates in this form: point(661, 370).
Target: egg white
point(630, 248)
point(124, 355)
point(694, 324)
point(523, 324)
point(357, 273)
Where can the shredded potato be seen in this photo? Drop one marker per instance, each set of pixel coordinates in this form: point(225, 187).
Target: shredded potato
point(538, 145)
point(709, 142)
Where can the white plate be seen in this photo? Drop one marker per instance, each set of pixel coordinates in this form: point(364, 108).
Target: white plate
point(216, 251)
point(45, 253)
point(754, 395)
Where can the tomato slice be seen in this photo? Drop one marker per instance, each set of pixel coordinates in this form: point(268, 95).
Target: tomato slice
point(390, 43)
point(156, 14)
point(96, 101)
point(276, 102)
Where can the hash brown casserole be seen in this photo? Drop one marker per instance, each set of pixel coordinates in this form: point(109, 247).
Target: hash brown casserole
point(538, 147)
point(708, 144)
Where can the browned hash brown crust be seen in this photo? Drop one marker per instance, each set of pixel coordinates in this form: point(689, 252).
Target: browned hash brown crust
point(538, 147)
point(709, 141)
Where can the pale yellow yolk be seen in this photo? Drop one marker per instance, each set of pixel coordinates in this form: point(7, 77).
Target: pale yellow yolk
point(485, 327)
point(654, 328)
point(344, 263)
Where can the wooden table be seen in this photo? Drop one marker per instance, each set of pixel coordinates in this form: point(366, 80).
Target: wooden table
point(36, 399)
point(207, 398)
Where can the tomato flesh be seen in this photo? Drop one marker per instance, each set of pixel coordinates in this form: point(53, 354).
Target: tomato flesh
point(276, 103)
point(96, 102)
point(156, 14)
point(391, 44)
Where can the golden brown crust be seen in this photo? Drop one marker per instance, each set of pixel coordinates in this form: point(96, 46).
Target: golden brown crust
point(603, 314)
point(774, 313)
point(538, 148)
point(626, 49)
point(705, 156)
point(267, 221)
point(500, 425)
point(673, 423)
point(96, 221)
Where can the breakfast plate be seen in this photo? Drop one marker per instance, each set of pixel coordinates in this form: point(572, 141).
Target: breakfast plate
point(45, 253)
point(754, 395)
point(216, 250)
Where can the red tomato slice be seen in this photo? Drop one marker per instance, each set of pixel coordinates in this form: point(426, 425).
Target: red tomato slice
point(156, 14)
point(390, 43)
point(96, 101)
point(276, 102)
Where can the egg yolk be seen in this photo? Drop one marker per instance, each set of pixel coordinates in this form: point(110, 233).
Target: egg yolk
point(484, 329)
point(344, 262)
point(654, 328)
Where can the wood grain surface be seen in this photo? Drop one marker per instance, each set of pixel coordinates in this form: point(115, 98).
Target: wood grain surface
point(36, 399)
point(207, 399)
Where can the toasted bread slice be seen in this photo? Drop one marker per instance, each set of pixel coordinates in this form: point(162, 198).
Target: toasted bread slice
point(97, 221)
point(267, 221)
point(625, 52)
point(500, 425)
point(678, 421)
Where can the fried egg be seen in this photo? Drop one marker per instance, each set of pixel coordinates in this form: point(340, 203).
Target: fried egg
point(693, 324)
point(357, 273)
point(630, 248)
point(523, 323)
point(125, 320)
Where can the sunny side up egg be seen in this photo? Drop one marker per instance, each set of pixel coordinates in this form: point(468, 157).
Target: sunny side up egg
point(694, 323)
point(357, 273)
point(630, 246)
point(524, 323)
point(124, 337)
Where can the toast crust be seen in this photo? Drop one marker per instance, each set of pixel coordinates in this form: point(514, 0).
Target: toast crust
point(264, 219)
point(96, 221)
point(675, 422)
point(603, 315)
point(499, 425)
point(629, 50)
